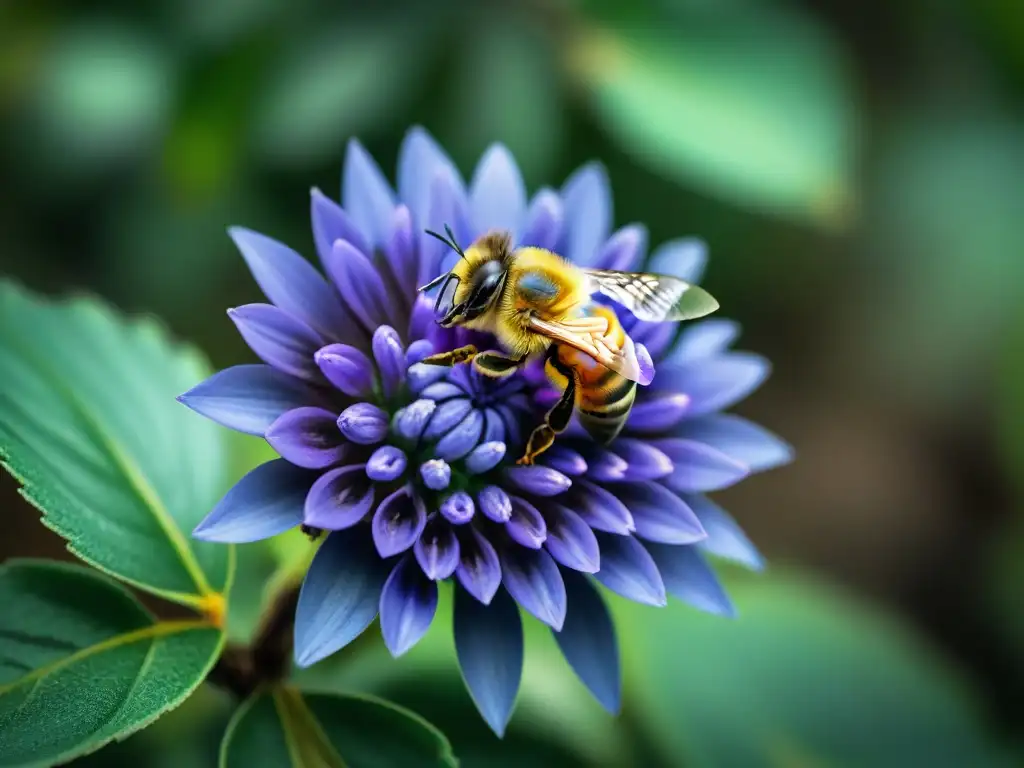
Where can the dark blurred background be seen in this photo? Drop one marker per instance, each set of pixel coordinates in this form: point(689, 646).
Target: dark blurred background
point(857, 169)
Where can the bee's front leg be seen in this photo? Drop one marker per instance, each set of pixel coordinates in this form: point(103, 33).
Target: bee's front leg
point(453, 358)
point(497, 365)
point(555, 422)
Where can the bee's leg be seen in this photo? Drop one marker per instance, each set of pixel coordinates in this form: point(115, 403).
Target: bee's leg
point(555, 422)
point(497, 365)
point(453, 358)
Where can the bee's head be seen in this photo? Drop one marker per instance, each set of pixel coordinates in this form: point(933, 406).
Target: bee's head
point(469, 290)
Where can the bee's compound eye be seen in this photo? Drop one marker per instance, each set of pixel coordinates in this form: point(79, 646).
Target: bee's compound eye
point(446, 296)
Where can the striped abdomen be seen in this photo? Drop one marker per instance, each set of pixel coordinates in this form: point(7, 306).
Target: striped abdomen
point(603, 397)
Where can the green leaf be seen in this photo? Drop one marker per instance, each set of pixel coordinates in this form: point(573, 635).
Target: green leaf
point(285, 727)
point(82, 662)
point(89, 425)
point(753, 108)
point(805, 676)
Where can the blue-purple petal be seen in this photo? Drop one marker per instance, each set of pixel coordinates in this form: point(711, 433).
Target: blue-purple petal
point(420, 159)
point(725, 537)
point(249, 398)
point(339, 597)
point(387, 464)
point(308, 437)
point(265, 502)
point(748, 443)
point(495, 503)
point(659, 514)
point(544, 220)
point(684, 258)
point(447, 207)
point(525, 525)
point(412, 420)
point(565, 460)
point(418, 350)
point(628, 569)
point(437, 549)
point(599, 509)
point(389, 353)
point(331, 223)
point(398, 522)
point(689, 577)
point(657, 414)
point(588, 641)
point(347, 368)
point(485, 456)
point(291, 283)
point(624, 250)
point(363, 423)
point(570, 540)
point(716, 383)
point(643, 460)
point(359, 284)
point(479, 570)
point(704, 339)
point(533, 579)
point(539, 480)
point(366, 195)
point(436, 474)
point(588, 214)
point(400, 253)
point(278, 339)
point(458, 508)
point(489, 645)
point(339, 499)
point(462, 438)
point(447, 415)
point(408, 603)
point(699, 467)
point(497, 196)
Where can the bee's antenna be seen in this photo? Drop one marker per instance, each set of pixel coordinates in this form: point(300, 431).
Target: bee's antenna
point(449, 241)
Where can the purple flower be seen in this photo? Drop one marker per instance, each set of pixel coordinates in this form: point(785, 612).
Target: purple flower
point(410, 467)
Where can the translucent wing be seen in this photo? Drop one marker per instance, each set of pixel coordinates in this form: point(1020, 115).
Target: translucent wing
point(653, 297)
point(588, 334)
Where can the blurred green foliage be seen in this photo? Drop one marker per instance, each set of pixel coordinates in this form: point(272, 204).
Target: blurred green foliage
point(857, 170)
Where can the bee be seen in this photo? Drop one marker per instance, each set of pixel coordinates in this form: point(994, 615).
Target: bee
point(538, 304)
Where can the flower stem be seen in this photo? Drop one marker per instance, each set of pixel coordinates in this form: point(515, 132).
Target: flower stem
point(242, 669)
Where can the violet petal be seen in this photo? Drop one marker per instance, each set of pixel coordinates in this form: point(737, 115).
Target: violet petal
point(278, 339)
point(347, 368)
point(479, 570)
point(588, 641)
point(339, 596)
point(458, 508)
point(265, 502)
point(398, 522)
point(628, 569)
point(495, 503)
point(387, 464)
point(363, 423)
point(659, 514)
point(533, 579)
point(436, 474)
point(339, 499)
point(489, 646)
point(437, 549)
point(542, 481)
point(390, 356)
point(408, 603)
point(570, 540)
point(526, 526)
point(308, 437)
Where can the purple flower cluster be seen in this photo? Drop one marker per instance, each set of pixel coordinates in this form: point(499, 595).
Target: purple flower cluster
point(410, 467)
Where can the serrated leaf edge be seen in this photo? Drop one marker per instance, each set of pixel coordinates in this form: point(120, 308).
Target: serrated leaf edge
point(168, 628)
point(208, 601)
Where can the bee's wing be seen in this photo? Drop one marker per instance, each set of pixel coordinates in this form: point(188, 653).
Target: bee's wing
point(587, 334)
point(653, 297)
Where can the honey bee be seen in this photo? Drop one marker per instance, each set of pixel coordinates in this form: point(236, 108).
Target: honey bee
point(537, 303)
